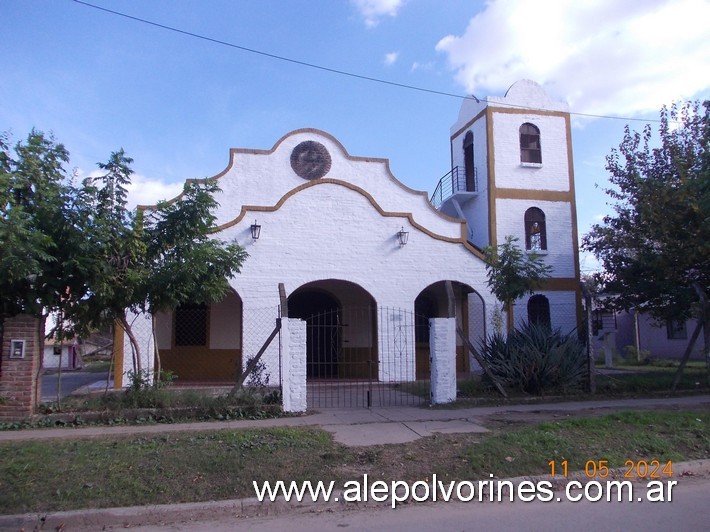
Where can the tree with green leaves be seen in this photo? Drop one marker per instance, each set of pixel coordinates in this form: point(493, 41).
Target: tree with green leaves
point(151, 260)
point(114, 233)
point(655, 247)
point(81, 253)
point(186, 263)
point(35, 226)
point(513, 273)
point(43, 254)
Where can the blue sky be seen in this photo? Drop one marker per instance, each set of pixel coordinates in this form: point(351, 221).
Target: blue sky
point(177, 104)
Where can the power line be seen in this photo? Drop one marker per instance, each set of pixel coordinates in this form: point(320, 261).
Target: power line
point(328, 69)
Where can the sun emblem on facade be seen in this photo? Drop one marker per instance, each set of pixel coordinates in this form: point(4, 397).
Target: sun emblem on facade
point(310, 160)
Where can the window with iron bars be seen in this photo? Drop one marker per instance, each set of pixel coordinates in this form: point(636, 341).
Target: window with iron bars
point(190, 325)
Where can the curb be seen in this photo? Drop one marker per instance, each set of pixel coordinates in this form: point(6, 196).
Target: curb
point(169, 514)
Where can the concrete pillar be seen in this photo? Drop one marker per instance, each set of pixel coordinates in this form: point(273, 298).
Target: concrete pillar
point(293, 383)
point(442, 342)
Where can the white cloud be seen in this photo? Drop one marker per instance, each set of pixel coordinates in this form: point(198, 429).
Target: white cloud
point(142, 190)
point(604, 56)
point(146, 191)
point(373, 11)
point(422, 66)
point(391, 58)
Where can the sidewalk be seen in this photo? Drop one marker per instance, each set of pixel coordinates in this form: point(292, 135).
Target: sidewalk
point(362, 427)
point(356, 427)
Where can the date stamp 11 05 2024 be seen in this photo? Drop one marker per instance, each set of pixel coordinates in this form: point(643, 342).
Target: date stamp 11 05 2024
point(632, 469)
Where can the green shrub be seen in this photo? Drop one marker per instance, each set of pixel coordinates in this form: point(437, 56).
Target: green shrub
point(535, 359)
point(632, 355)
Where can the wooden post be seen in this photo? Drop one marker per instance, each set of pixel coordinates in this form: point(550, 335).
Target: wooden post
point(284, 300)
point(590, 339)
point(637, 336)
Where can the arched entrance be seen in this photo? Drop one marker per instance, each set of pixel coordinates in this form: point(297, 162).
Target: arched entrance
point(340, 321)
point(432, 302)
point(349, 362)
point(323, 316)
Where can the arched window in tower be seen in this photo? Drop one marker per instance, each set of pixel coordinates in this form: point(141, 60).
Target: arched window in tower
point(530, 150)
point(539, 310)
point(535, 231)
point(469, 169)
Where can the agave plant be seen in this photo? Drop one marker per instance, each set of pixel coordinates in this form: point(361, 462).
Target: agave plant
point(536, 359)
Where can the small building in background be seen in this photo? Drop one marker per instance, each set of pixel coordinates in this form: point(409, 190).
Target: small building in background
point(64, 355)
point(656, 339)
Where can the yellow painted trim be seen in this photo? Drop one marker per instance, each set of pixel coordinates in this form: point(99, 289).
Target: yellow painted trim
point(575, 228)
point(536, 195)
point(234, 151)
point(492, 191)
point(573, 196)
point(560, 284)
point(469, 123)
point(518, 111)
point(328, 181)
point(118, 338)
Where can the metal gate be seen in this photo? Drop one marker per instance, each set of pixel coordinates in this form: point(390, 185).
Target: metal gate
point(362, 357)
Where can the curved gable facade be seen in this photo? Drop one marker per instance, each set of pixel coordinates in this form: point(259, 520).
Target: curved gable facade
point(329, 233)
point(366, 261)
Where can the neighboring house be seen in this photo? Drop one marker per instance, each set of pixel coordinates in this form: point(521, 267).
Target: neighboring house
point(656, 339)
point(66, 354)
point(365, 260)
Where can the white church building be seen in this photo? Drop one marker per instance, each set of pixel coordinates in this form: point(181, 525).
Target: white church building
point(338, 244)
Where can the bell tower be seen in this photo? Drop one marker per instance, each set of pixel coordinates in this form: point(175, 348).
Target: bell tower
point(512, 175)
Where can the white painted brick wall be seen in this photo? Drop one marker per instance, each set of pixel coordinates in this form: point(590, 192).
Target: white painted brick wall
point(261, 177)
point(475, 209)
point(523, 93)
point(329, 231)
point(558, 223)
point(293, 338)
point(563, 310)
point(442, 341)
point(552, 175)
point(554, 172)
point(142, 327)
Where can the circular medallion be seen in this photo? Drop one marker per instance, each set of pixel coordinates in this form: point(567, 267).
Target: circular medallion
point(310, 160)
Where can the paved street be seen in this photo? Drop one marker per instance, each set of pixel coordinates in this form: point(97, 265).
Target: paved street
point(70, 381)
point(688, 511)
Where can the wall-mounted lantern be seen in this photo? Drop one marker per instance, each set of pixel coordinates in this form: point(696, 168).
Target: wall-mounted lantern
point(403, 236)
point(255, 230)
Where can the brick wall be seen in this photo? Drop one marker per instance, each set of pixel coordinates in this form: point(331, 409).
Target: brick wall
point(19, 379)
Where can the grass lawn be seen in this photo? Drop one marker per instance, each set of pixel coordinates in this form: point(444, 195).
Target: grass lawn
point(624, 380)
point(652, 378)
point(43, 476)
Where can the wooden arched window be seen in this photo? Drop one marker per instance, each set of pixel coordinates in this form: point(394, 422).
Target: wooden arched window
point(539, 310)
point(469, 169)
point(530, 150)
point(535, 230)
